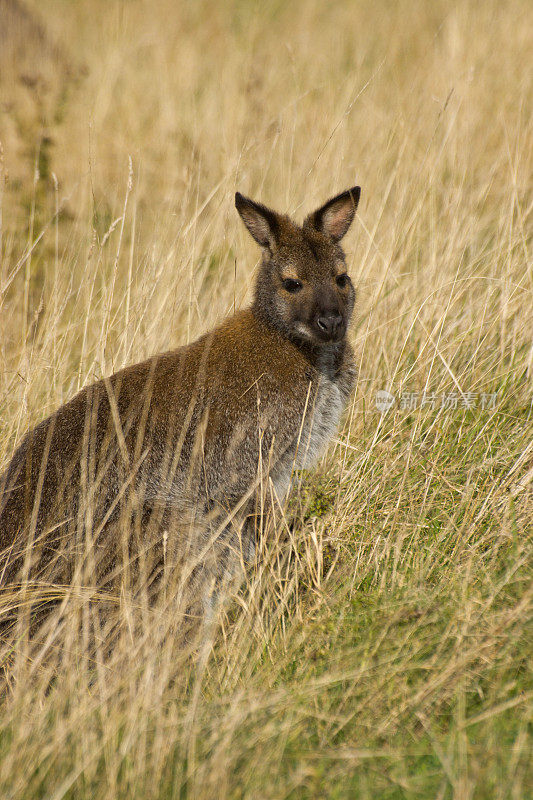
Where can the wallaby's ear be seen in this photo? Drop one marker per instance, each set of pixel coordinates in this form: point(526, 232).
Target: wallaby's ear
point(335, 217)
point(261, 221)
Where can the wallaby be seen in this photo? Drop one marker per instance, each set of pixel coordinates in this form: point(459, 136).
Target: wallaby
point(189, 437)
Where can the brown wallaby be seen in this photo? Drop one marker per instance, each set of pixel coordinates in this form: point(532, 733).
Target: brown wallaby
point(188, 437)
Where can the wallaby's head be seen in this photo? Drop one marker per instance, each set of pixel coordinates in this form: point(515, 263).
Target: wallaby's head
point(303, 288)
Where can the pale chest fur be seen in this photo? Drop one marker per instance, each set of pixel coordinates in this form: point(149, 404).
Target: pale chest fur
point(321, 423)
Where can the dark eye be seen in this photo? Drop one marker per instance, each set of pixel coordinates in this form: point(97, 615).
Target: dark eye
point(342, 281)
point(291, 285)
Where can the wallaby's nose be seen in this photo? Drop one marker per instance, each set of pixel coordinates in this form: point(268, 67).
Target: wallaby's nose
point(329, 324)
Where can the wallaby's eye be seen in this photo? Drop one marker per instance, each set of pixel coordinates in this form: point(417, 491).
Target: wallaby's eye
point(291, 285)
point(342, 281)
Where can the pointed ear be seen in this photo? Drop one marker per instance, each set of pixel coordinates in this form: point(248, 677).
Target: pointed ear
point(261, 222)
point(335, 217)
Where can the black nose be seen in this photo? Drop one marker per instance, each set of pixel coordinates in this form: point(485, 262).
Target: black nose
point(329, 324)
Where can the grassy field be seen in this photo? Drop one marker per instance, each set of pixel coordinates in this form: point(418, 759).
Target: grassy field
point(385, 647)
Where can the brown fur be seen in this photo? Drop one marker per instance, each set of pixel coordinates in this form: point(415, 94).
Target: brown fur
point(179, 442)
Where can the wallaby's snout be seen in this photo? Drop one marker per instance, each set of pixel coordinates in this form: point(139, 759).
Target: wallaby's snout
point(330, 316)
point(330, 325)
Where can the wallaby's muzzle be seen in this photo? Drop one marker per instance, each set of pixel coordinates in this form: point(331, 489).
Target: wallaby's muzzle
point(329, 326)
point(328, 318)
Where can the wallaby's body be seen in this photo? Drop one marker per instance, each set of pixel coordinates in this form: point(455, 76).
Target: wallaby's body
point(191, 434)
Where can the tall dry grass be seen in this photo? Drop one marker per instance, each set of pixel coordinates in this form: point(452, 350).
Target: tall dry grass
point(383, 648)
